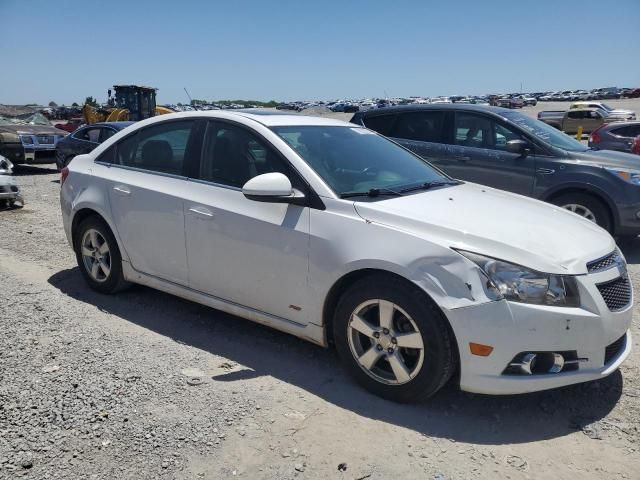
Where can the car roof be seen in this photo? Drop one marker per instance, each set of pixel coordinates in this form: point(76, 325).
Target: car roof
point(438, 106)
point(268, 118)
point(615, 125)
point(116, 125)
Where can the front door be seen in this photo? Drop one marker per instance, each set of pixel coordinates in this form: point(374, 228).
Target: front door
point(478, 154)
point(251, 253)
point(145, 188)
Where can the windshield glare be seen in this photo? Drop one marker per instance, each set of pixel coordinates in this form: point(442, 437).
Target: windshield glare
point(546, 133)
point(354, 159)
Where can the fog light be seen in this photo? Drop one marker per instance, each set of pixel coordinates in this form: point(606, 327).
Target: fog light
point(539, 363)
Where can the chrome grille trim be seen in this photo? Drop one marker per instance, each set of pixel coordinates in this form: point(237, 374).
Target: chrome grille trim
point(604, 263)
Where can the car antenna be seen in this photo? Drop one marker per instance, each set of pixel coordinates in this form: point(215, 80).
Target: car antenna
point(190, 99)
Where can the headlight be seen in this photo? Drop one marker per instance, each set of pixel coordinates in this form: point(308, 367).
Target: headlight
point(26, 139)
point(630, 176)
point(519, 284)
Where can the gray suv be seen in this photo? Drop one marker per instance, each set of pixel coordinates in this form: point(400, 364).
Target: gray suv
point(511, 151)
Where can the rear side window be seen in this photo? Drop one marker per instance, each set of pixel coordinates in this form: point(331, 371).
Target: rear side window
point(380, 123)
point(628, 131)
point(106, 133)
point(421, 126)
point(88, 135)
point(158, 148)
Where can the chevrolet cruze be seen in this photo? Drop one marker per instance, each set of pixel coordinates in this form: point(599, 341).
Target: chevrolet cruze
point(328, 231)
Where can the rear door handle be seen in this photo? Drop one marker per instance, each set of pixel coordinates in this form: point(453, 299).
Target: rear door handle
point(462, 158)
point(122, 190)
point(201, 211)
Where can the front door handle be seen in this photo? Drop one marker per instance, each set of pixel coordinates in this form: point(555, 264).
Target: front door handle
point(122, 190)
point(462, 158)
point(201, 211)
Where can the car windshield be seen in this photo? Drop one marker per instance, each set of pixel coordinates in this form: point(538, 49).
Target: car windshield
point(546, 133)
point(606, 107)
point(354, 159)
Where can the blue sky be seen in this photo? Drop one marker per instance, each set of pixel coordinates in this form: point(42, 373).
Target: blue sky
point(65, 50)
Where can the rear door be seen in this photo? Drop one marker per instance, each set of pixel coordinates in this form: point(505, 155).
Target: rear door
point(478, 154)
point(422, 132)
point(146, 188)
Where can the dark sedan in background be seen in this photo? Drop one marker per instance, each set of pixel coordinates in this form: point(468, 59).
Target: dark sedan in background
point(615, 136)
point(85, 139)
point(508, 150)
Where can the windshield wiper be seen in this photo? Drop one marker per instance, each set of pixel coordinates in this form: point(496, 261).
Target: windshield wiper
point(428, 185)
point(372, 192)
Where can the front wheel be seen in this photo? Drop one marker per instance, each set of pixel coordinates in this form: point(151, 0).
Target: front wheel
point(587, 206)
point(393, 339)
point(98, 256)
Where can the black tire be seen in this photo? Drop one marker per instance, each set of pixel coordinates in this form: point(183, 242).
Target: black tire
point(115, 281)
point(439, 352)
point(594, 204)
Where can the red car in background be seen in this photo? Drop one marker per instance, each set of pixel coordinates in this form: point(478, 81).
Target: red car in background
point(71, 125)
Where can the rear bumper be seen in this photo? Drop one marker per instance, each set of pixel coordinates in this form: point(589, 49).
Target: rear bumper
point(513, 328)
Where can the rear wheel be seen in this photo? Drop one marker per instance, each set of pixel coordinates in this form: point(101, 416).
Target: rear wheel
point(393, 339)
point(98, 256)
point(587, 206)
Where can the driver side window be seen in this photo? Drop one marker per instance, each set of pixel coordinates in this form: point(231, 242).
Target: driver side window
point(232, 156)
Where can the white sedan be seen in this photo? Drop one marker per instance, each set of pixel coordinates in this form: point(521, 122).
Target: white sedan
point(330, 232)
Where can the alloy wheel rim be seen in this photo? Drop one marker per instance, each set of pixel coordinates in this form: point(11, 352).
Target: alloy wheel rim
point(580, 210)
point(385, 342)
point(96, 255)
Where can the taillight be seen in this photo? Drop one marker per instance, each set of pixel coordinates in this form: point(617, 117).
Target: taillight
point(595, 136)
point(64, 173)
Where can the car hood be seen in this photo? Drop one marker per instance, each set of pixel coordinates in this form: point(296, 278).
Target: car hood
point(498, 224)
point(30, 129)
point(608, 159)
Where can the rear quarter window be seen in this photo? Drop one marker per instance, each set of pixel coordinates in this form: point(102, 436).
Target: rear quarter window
point(108, 156)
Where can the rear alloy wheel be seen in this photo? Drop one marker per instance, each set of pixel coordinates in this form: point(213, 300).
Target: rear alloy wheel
point(98, 256)
point(393, 339)
point(587, 206)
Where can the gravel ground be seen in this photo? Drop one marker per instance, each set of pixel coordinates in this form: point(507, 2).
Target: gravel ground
point(144, 385)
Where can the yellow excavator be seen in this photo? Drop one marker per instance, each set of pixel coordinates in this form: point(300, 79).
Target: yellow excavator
point(130, 102)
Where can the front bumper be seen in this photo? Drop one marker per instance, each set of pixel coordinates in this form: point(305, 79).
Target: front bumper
point(512, 328)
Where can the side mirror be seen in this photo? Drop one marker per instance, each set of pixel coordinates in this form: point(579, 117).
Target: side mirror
point(519, 147)
point(272, 188)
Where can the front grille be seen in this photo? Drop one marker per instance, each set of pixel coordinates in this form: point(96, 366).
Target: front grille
point(616, 293)
point(604, 262)
point(614, 349)
point(45, 139)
